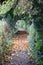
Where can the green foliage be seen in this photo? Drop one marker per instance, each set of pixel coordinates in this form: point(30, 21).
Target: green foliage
point(20, 25)
point(6, 6)
point(38, 48)
point(21, 7)
point(5, 37)
point(37, 16)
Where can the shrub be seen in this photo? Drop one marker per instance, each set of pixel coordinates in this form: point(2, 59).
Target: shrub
point(5, 38)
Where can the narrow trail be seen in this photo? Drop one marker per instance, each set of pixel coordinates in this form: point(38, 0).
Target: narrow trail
point(19, 55)
point(20, 42)
point(21, 58)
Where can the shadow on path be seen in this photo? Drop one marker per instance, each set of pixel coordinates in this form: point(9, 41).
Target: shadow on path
point(21, 58)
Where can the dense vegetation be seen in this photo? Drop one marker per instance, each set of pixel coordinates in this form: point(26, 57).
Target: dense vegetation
point(17, 15)
point(37, 16)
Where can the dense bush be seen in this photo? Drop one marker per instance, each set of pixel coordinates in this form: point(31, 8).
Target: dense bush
point(37, 17)
point(5, 38)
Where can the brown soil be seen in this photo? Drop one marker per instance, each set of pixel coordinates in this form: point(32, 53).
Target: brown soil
point(20, 42)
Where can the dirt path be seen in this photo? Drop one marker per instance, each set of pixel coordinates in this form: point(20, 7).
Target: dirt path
point(20, 42)
point(21, 58)
point(19, 55)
